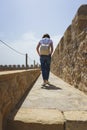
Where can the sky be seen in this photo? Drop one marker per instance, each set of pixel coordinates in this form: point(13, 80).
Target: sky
point(23, 23)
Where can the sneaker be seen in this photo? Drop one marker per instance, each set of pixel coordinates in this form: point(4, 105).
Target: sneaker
point(43, 84)
point(47, 82)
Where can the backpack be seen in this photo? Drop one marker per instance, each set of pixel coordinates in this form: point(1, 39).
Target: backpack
point(45, 49)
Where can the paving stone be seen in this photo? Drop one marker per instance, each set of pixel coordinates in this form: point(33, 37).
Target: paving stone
point(37, 119)
point(76, 120)
point(59, 95)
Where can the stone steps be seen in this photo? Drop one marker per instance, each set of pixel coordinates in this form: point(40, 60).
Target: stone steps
point(58, 106)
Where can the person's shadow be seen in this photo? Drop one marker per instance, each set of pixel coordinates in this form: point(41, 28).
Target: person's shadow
point(50, 87)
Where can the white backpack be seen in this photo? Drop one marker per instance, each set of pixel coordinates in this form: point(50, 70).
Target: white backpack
point(45, 46)
point(45, 49)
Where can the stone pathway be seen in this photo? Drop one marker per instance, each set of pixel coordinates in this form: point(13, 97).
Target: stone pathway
point(58, 106)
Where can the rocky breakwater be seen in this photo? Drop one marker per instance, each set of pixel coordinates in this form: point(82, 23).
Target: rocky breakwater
point(69, 60)
point(13, 85)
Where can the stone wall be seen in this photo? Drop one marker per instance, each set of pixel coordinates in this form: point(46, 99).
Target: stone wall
point(69, 60)
point(13, 85)
point(18, 67)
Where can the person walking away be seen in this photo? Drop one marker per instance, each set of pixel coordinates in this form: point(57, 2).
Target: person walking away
point(45, 50)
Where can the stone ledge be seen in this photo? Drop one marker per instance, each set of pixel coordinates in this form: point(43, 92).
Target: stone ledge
point(37, 119)
point(76, 120)
point(16, 71)
point(13, 85)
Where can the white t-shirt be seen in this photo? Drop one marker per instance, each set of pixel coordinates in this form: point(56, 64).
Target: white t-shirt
point(46, 41)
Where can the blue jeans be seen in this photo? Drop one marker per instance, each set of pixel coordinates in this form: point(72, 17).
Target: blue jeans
point(45, 66)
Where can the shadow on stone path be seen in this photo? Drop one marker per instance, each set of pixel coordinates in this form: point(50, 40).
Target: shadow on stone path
point(51, 87)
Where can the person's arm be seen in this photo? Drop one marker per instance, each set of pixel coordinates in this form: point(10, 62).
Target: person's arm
point(37, 48)
point(51, 46)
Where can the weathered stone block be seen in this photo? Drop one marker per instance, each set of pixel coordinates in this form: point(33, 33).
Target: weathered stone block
point(76, 120)
point(0, 121)
point(69, 60)
point(37, 119)
point(13, 85)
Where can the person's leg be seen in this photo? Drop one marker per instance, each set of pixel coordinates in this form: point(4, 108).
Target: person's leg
point(48, 62)
point(43, 67)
